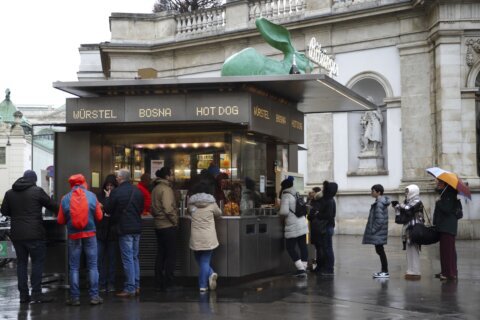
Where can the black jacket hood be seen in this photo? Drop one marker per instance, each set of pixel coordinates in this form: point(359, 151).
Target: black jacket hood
point(22, 184)
point(330, 190)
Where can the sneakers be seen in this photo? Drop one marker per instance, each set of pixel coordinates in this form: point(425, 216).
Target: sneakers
point(73, 302)
point(203, 290)
point(381, 275)
point(212, 281)
point(301, 274)
point(96, 301)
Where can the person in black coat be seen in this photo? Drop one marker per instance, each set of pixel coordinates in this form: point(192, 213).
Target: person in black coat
point(322, 223)
point(23, 203)
point(125, 206)
point(446, 222)
point(107, 241)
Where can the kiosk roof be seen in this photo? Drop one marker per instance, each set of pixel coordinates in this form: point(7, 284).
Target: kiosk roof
point(313, 93)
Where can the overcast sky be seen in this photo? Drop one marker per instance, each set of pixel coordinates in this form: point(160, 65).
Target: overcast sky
point(40, 39)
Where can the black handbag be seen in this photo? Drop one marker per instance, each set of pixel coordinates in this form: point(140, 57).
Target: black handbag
point(421, 234)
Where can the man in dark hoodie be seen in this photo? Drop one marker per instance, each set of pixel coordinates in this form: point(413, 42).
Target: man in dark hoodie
point(322, 222)
point(23, 203)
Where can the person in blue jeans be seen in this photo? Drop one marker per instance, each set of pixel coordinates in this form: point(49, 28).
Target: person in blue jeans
point(125, 204)
point(203, 209)
point(78, 210)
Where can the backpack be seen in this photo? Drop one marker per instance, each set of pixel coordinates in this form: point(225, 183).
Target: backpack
point(300, 206)
point(79, 209)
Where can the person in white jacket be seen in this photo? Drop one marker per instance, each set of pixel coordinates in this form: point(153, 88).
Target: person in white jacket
point(295, 227)
point(203, 235)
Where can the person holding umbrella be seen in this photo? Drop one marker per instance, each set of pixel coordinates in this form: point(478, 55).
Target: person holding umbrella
point(445, 219)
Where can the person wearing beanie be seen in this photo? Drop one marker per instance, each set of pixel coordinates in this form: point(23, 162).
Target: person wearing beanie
point(23, 204)
point(30, 175)
point(295, 228)
point(79, 209)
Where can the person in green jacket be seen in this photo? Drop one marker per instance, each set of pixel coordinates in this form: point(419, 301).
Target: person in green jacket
point(445, 220)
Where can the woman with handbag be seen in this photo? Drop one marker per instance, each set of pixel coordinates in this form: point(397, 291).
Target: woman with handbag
point(408, 214)
point(445, 220)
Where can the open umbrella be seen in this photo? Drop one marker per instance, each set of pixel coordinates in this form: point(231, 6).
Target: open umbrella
point(452, 180)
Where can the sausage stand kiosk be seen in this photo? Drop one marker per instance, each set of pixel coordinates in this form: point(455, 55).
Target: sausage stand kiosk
point(245, 126)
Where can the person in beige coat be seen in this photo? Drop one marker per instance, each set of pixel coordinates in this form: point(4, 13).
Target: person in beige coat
point(165, 213)
point(203, 210)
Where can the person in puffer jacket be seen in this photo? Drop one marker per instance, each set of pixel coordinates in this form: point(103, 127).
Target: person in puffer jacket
point(78, 210)
point(203, 210)
point(296, 228)
point(376, 231)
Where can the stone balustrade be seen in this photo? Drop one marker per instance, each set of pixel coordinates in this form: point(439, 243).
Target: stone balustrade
point(276, 9)
point(200, 22)
point(347, 5)
point(233, 16)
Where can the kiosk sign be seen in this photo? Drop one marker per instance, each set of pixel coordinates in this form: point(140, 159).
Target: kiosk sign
point(317, 55)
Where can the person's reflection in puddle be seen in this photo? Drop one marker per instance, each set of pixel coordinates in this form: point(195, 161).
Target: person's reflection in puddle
point(382, 293)
point(24, 311)
point(449, 296)
point(208, 302)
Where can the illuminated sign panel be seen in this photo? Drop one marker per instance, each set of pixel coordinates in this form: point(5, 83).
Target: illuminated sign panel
point(264, 114)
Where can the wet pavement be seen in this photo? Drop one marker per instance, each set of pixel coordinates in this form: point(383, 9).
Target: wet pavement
point(351, 294)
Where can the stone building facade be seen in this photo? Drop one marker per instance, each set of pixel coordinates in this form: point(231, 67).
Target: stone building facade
point(419, 60)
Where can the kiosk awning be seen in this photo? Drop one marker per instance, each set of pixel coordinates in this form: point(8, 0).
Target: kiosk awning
point(313, 93)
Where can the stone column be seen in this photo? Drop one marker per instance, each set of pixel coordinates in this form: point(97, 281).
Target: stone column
point(418, 124)
point(450, 118)
point(319, 128)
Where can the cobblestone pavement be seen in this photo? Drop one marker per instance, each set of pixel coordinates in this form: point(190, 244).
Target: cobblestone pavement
point(351, 294)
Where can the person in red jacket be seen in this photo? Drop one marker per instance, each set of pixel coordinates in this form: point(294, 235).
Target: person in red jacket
point(78, 210)
point(144, 186)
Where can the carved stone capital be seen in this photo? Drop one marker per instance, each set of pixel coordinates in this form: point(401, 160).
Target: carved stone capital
point(473, 51)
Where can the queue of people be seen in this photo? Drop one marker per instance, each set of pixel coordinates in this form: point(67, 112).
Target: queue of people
point(99, 224)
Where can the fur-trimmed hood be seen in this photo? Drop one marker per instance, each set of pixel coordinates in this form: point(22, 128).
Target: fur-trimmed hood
point(201, 200)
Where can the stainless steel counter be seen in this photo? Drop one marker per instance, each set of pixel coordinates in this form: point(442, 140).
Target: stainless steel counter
point(248, 245)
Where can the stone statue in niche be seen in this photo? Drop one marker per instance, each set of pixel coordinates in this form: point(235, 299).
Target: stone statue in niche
point(371, 123)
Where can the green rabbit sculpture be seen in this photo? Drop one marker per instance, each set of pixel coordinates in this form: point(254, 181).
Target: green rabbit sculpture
point(250, 62)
